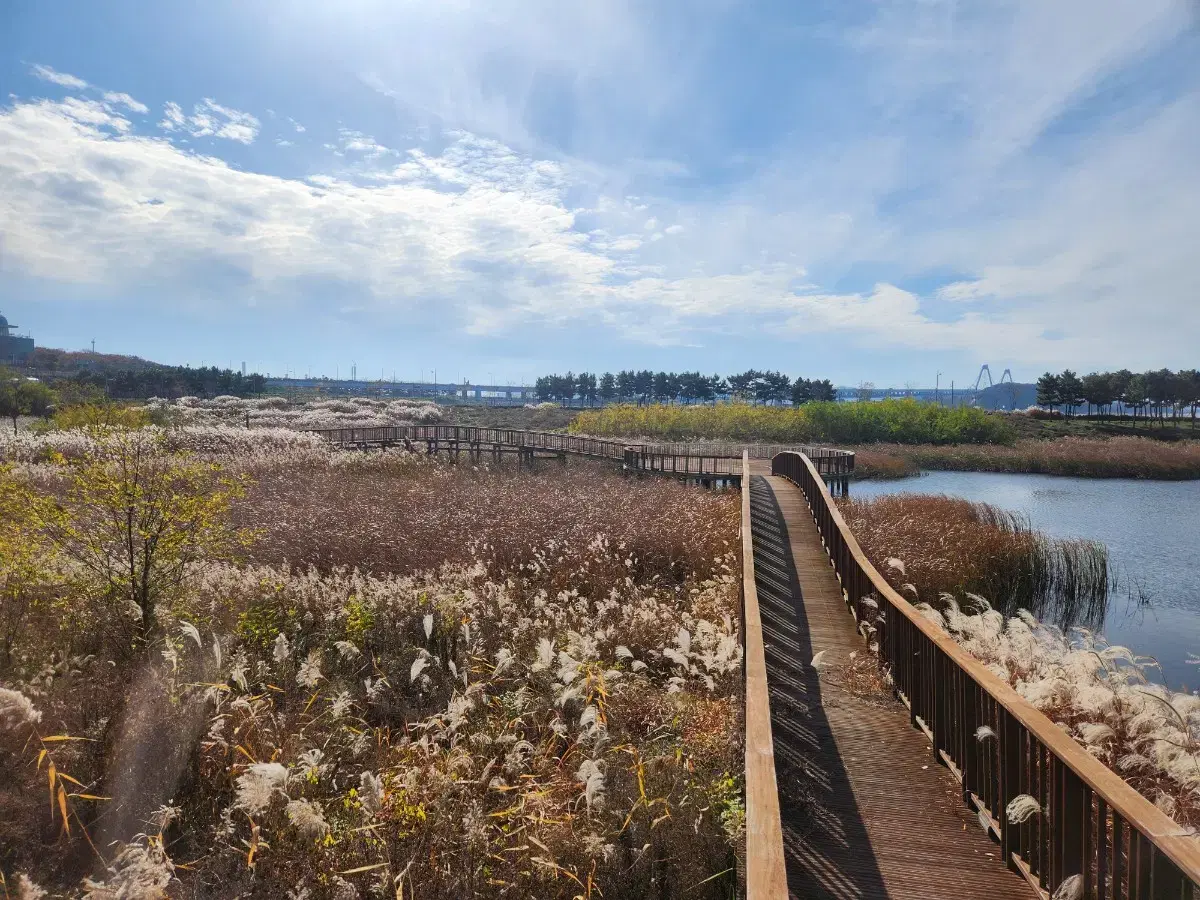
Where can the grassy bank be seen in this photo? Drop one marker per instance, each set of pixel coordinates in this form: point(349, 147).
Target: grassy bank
point(953, 546)
point(1118, 457)
point(898, 421)
point(345, 675)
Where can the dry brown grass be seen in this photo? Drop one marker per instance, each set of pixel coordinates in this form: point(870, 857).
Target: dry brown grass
point(953, 546)
point(1116, 457)
point(551, 713)
point(398, 515)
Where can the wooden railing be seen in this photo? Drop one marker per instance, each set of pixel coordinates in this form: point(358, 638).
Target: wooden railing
point(1092, 824)
point(668, 459)
point(841, 462)
point(466, 435)
point(766, 878)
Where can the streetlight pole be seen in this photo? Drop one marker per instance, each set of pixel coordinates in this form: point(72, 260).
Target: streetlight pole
point(937, 390)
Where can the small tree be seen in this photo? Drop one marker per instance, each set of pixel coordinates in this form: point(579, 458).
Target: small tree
point(138, 520)
point(24, 556)
point(742, 384)
point(626, 385)
point(22, 397)
point(1098, 391)
point(802, 391)
point(866, 391)
point(1048, 394)
point(823, 391)
point(662, 387)
point(1070, 390)
point(608, 387)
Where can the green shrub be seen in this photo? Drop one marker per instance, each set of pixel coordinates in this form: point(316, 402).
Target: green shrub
point(892, 421)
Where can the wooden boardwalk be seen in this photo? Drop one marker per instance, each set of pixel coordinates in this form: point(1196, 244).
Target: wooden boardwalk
point(867, 811)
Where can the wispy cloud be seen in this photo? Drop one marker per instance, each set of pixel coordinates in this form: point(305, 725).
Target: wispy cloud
point(125, 100)
point(211, 119)
point(60, 78)
point(1010, 180)
point(357, 142)
point(477, 230)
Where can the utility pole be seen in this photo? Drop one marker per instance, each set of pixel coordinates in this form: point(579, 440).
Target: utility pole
point(93, 345)
point(937, 390)
point(951, 393)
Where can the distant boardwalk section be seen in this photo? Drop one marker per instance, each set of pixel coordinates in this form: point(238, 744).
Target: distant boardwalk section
point(691, 462)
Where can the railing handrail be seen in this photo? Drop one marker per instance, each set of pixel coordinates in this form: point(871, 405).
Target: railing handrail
point(653, 458)
point(1136, 810)
point(720, 450)
point(766, 875)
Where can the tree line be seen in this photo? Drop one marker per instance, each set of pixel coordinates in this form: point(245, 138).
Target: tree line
point(1160, 394)
point(642, 387)
point(169, 382)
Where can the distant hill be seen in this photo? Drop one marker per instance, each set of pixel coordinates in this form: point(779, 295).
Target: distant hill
point(134, 378)
point(1007, 396)
point(69, 362)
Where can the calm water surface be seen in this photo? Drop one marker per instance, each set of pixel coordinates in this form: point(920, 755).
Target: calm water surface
point(1151, 528)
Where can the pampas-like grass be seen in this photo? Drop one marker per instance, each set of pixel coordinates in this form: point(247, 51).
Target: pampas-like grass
point(1021, 809)
point(575, 707)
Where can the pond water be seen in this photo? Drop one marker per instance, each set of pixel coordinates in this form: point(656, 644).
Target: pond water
point(1151, 528)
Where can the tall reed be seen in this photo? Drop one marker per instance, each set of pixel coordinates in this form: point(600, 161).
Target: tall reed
point(951, 545)
point(1116, 457)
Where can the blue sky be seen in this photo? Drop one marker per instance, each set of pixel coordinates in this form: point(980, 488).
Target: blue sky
point(862, 191)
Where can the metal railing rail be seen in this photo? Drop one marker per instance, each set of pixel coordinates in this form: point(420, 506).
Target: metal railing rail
point(1092, 824)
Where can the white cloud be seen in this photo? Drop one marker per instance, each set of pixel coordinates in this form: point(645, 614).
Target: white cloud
point(211, 119)
point(499, 244)
point(357, 142)
point(60, 78)
point(121, 99)
point(1069, 245)
point(299, 128)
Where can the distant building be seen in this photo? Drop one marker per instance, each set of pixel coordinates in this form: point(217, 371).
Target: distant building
point(13, 349)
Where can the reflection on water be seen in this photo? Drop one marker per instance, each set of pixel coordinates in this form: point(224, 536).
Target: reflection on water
point(1151, 529)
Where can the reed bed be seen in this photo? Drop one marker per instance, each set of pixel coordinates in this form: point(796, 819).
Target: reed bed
point(946, 554)
point(899, 421)
point(280, 412)
point(1115, 457)
point(418, 681)
point(954, 546)
point(1105, 696)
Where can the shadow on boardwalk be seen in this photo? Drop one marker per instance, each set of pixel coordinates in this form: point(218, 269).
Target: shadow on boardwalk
point(867, 811)
point(826, 844)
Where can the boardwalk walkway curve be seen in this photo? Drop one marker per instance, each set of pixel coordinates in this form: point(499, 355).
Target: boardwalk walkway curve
point(702, 462)
point(878, 798)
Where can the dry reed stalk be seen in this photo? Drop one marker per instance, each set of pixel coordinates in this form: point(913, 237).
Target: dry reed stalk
point(1115, 457)
point(549, 708)
point(951, 545)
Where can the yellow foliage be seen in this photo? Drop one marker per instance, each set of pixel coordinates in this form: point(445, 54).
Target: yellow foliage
point(26, 557)
point(89, 415)
point(136, 519)
point(898, 421)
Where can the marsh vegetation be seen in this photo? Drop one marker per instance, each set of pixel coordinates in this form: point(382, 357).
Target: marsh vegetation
point(250, 664)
